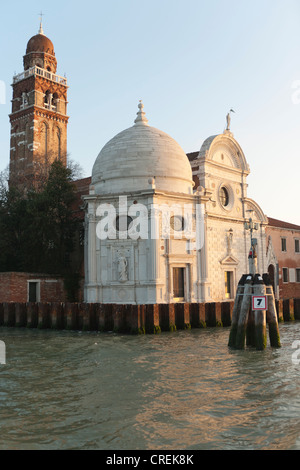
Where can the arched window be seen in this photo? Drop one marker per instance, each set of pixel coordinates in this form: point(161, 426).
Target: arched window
point(24, 99)
point(48, 100)
point(55, 102)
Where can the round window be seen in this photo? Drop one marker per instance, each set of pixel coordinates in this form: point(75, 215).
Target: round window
point(224, 196)
point(177, 223)
point(123, 223)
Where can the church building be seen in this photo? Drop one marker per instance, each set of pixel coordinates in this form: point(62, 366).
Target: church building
point(196, 244)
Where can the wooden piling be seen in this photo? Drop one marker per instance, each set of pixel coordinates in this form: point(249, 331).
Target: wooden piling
point(137, 319)
point(218, 313)
point(187, 316)
point(152, 319)
point(272, 321)
point(167, 320)
point(279, 309)
point(100, 316)
point(226, 313)
point(259, 288)
point(44, 318)
point(109, 321)
point(20, 312)
point(171, 317)
point(179, 315)
point(32, 314)
point(9, 314)
point(250, 331)
point(288, 310)
point(236, 311)
point(244, 312)
point(1, 314)
point(209, 320)
point(120, 318)
point(70, 316)
point(163, 317)
point(182, 315)
point(198, 315)
point(297, 309)
point(57, 315)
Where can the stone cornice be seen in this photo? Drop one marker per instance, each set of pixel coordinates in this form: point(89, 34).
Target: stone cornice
point(38, 111)
point(219, 166)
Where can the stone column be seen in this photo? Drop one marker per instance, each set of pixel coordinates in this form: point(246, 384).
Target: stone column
point(154, 241)
point(201, 229)
point(92, 249)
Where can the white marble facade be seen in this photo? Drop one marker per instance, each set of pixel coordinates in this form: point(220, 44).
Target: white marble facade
point(191, 244)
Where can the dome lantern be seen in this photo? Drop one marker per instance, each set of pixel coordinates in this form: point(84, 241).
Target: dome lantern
point(40, 52)
point(141, 115)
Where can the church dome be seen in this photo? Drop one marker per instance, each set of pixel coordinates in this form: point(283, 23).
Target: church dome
point(40, 43)
point(139, 158)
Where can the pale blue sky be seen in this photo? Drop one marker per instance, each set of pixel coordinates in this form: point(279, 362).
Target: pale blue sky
point(190, 61)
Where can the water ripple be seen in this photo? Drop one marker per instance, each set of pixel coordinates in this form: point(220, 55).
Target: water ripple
point(185, 390)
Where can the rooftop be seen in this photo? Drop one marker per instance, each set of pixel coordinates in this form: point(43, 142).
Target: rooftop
point(281, 224)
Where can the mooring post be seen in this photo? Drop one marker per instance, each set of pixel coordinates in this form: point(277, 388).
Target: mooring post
point(252, 259)
point(250, 332)
point(259, 289)
point(243, 317)
point(236, 311)
point(272, 314)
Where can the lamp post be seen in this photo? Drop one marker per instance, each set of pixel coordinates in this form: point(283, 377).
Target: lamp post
point(252, 226)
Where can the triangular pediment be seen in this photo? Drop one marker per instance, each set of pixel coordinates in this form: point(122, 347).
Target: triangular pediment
point(230, 260)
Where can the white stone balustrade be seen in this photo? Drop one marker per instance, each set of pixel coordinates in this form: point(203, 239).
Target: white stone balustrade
point(42, 73)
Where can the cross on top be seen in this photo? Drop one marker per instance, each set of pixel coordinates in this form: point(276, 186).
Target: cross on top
point(41, 26)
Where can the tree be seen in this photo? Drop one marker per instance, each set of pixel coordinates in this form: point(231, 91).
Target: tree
point(38, 231)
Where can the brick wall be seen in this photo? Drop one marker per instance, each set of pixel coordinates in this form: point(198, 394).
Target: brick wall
point(287, 256)
point(14, 287)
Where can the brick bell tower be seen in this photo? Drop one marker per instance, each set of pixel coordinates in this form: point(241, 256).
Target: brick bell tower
point(39, 115)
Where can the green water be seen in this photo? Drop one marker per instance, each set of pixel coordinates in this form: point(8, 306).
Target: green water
point(183, 390)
